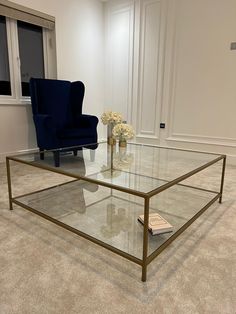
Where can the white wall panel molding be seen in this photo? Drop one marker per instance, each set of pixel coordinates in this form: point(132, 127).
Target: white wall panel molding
point(151, 67)
point(190, 138)
point(119, 52)
point(172, 74)
point(208, 121)
point(187, 137)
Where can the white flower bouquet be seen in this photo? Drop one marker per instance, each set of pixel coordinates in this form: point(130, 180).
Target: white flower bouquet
point(123, 131)
point(111, 117)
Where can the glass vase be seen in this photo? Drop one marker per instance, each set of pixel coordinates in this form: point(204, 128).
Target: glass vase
point(110, 139)
point(122, 142)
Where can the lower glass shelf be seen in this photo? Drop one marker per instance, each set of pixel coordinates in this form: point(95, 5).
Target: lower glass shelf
point(111, 216)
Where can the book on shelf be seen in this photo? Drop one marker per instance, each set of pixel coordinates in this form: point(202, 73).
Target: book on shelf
point(156, 224)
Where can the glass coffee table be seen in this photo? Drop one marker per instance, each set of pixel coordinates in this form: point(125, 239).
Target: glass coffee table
point(111, 186)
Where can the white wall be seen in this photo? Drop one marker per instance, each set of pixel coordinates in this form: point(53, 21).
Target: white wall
point(80, 56)
point(150, 63)
point(190, 60)
point(134, 62)
point(119, 34)
point(183, 71)
point(200, 102)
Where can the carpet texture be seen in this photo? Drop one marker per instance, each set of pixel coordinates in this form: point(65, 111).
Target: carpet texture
point(46, 269)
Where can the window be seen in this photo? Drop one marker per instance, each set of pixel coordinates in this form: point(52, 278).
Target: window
point(5, 85)
point(27, 49)
point(30, 39)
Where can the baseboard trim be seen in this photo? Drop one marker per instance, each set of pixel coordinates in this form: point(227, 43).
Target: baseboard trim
point(202, 140)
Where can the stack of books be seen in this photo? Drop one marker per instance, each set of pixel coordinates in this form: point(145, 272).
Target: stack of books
point(156, 224)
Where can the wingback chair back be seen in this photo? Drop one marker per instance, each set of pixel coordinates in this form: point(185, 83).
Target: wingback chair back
point(57, 114)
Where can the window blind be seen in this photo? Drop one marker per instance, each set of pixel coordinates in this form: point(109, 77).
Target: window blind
point(21, 13)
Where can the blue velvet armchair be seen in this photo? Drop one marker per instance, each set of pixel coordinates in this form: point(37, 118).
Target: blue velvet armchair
point(58, 118)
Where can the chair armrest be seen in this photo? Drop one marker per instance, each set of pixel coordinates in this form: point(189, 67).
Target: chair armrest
point(45, 121)
point(85, 120)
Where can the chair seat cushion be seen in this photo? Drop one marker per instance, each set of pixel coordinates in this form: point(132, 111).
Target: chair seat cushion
point(76, 133)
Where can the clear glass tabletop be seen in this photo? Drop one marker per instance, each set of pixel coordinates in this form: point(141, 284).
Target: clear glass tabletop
point(141, 168)
point(100, 203)
point(113, 217)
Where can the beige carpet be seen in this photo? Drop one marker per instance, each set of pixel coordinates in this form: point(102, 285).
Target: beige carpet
point(46, 269)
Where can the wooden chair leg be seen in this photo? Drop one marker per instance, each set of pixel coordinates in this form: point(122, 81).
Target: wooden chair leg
point(41, 153)
point(56, 156)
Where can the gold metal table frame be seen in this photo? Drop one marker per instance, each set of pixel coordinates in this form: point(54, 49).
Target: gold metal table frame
point(146, 259)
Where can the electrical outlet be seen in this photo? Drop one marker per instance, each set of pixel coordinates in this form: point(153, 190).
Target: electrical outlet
point(233, 46)
point(162, 125)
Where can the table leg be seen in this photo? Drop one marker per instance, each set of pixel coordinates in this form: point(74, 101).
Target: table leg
point(145, 239)
point(222, 179)
point(9, 183)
